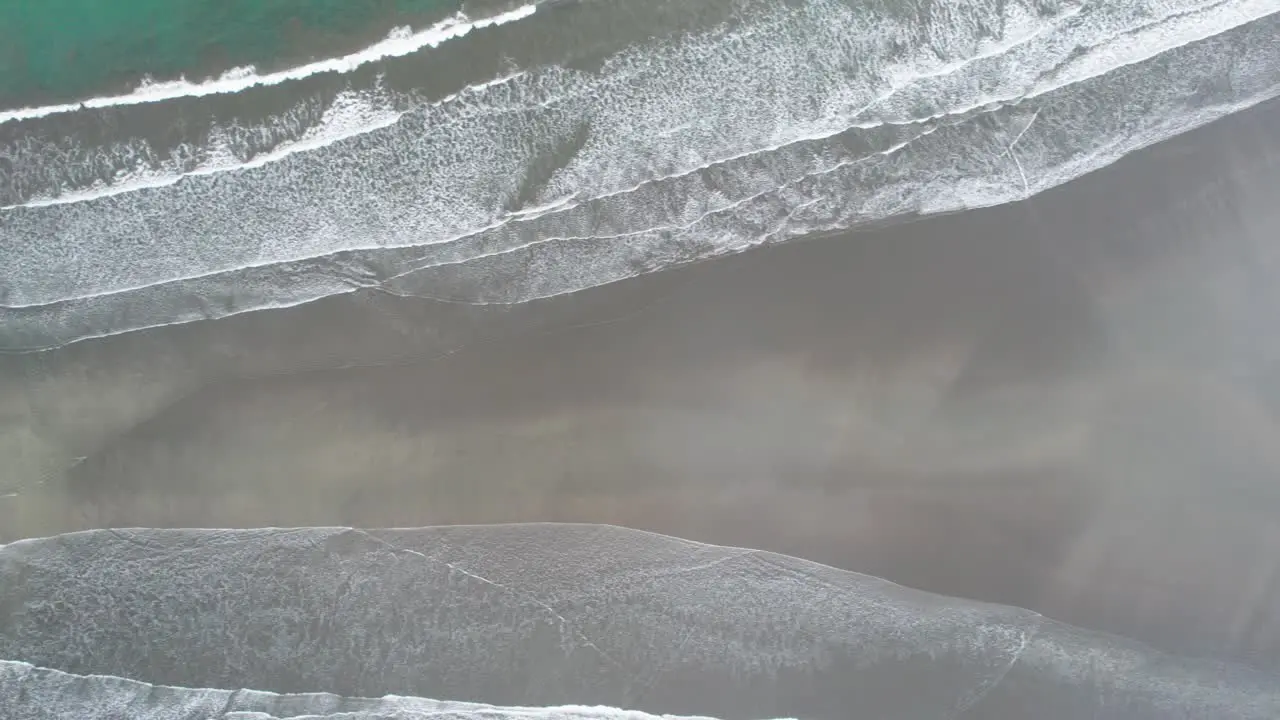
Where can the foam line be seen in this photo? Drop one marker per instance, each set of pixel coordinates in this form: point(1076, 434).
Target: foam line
point(1100, 158)
point(328, 132)
point(398, 43)
point(1119, 50)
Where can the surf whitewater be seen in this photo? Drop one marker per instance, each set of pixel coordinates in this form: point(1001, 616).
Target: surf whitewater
point(552, 149)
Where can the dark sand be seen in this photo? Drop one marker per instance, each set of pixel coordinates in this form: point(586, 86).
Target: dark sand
point(1070, 404)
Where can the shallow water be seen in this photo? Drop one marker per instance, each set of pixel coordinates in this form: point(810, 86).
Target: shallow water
point(594, 616)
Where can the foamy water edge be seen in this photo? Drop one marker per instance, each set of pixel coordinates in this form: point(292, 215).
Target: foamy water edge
point(400, 42)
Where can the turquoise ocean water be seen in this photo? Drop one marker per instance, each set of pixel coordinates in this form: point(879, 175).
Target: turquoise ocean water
point(68, 49)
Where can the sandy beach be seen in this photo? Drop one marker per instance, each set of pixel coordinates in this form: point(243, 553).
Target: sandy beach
point(1070, 404)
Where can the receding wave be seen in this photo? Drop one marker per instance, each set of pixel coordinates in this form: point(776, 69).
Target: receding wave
point(554, 179)
point(543, 620)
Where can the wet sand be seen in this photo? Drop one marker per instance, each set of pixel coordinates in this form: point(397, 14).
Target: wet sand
point(1071, 404)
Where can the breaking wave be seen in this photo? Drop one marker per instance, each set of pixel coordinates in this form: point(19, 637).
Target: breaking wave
point(795, 119)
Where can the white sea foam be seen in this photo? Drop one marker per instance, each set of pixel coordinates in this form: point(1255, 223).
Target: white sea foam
point(399, 42)
point(1195, 22)
point(349, 114)
point(545, 621)
point(807, 120)
point(910, 86)
point(1029, 44)
point(27, 689)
